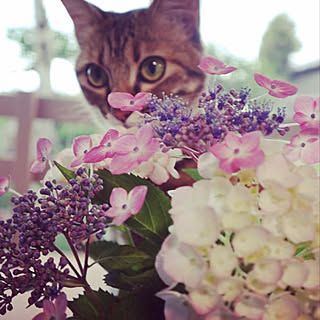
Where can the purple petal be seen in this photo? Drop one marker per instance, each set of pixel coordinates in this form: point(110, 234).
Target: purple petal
point(61, 306)
point(4, 185)
point(136, 198)
point(49, 308)
point(40, 316)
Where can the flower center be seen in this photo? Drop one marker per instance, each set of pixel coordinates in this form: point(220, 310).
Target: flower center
point(132, 102)
point(303, 145)
point(273, 86)
point(236, 151)
point(43, 159)
point(109, 144)
point(313, 116)
point(85, 151)
point(135, 149)
point(124, 206)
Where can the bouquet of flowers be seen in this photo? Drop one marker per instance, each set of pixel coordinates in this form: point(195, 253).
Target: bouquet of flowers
point(233, 233)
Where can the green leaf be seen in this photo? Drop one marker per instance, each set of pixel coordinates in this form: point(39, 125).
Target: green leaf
point(67, 173)
point(153, 220)
point(146, 281)
point(130, 307)
point(193, 173)
point(112, 256)
point(85, 308)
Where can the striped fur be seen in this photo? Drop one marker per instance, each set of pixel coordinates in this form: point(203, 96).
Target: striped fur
point(120, 42)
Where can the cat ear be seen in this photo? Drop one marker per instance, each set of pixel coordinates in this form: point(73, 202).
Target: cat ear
point(187, 11)
point(84, 15)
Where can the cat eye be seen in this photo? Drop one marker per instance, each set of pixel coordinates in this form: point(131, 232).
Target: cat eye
point(96, 76)
point(152, 69)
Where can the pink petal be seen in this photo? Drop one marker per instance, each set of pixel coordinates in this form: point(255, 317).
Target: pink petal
point(77, 161)
point(38, 166)
point(61, 306)
point(123, 164)
point(136, 198)
point(262, 80)
point(113, 212)
point(120, 100)
point(144, 135)
point(311, 154)
point(81, 145)
point(120, 219)
point(147, 151)
point(301, 118)
point(227, 70)
point(118, 197)
point(44, 148)
point(252, 161)
point(110, 135)
point(232, 140)
point(228, 166)
point(96, 154)
point(251, 140)
point(40, 316)
point(49, 308)
point(284, 88)
point(141, 99)
point(304, 105)
point(4, 185)
point(125, 144)
point(221, 151)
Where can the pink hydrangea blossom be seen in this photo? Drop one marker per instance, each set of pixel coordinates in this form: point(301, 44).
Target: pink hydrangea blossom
point(81, 145)
point(4, 185)
point(307, 113)
point(44, 148)
point(237, 152)
point(123, 205)
point(56, 310)
point(304, 147)
point(276, 88)
point(131, 150)
point(213, 65)
point(104, 149)
point(127, 102)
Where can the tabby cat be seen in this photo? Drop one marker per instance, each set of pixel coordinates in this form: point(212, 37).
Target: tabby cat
point(155, 50)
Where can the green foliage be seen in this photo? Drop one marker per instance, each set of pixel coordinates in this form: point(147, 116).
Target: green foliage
point(153, 220)
point(64, 45)
point(193, 173)
point(133, 307)
point(278, 43)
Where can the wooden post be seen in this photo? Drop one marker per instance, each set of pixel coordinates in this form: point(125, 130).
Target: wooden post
point(26, 112)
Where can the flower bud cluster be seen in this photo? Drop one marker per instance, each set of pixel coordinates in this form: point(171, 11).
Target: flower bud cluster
point(31, 233)
point(218, 113)
point(245, 244)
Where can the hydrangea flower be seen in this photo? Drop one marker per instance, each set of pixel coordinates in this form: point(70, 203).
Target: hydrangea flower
point(124, 205)
point(131, 150)
point(104, 149)
point(276, 88)
point(80, 146)
point(307, 113)
point(56, 310)
point(4, 185)
point(212, 65)
point(304, 147)
point(127, 102)
point(44, 148)
point(238, 152)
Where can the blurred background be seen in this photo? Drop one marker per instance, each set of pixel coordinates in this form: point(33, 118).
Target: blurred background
point(40, 96)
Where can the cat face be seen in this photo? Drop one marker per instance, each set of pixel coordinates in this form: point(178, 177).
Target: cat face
point(154, 50)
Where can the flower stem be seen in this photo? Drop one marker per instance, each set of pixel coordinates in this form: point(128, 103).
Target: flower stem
point(74, 251)
point(86, 258)
point(69, 262)
point(14, 192)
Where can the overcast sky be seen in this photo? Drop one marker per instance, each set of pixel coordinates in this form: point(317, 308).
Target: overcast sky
point(232, 25)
